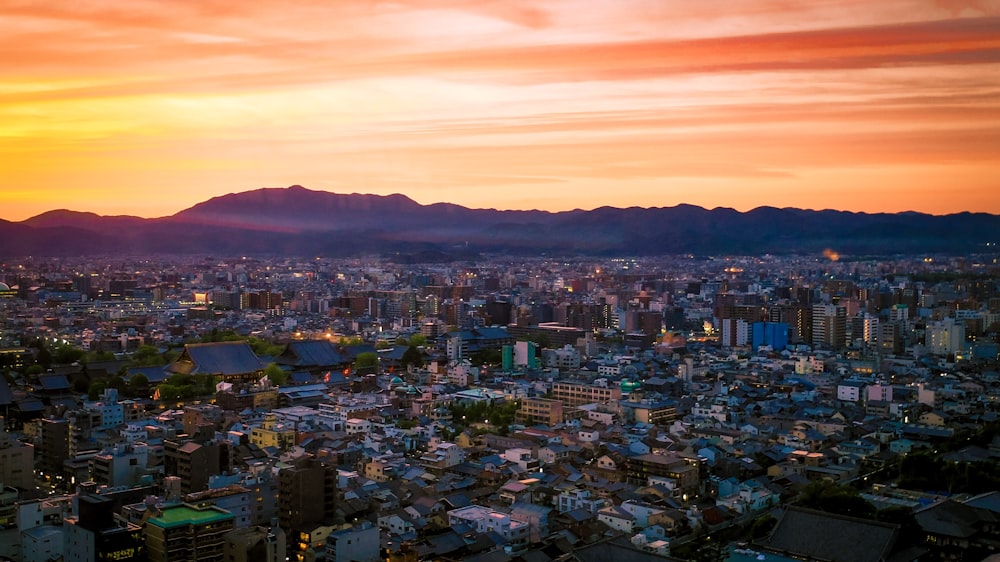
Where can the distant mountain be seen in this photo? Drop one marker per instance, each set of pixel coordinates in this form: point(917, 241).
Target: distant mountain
point(296, 221)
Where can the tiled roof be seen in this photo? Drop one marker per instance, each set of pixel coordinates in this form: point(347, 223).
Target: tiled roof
point(313, 353)
point(818, 535)
point(222, 358)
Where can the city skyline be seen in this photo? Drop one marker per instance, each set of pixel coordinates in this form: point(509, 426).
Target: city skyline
point(846, 105)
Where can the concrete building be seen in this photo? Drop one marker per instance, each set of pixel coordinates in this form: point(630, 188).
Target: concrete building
point(540, 411)
point(945, 337)
point(486, 520)
point(185, 532)
point(357, 544)
point(573, 393)
point(255, 544)
point(16, 461)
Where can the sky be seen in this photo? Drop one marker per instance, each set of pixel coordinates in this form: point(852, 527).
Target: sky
point(147, 107)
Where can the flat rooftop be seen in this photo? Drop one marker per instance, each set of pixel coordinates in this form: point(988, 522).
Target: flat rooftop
point(183, 514)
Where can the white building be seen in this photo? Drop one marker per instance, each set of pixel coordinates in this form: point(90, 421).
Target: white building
point(945, 337)
point(850, 390)
point(486, 520)
point(579, 499)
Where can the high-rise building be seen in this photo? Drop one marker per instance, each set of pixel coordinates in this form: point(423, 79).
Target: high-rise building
point(16, 461)
point(185, 532)
point(54, 446)
point(93, 533)
point(945, 337)
point(256, 544)
point(307, 494)
point(829, 326)
point(890, 338)
point(773, 334)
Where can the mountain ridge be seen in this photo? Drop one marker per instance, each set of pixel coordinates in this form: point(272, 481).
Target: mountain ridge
point(299, 221)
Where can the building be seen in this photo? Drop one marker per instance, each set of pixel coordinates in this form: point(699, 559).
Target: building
point(194, 462)
point(890, 338)
point(255, 544)
point(17, 461)
point(233, 361)
point(121, 465)
point(770, 334)
point(650, 411)
point(829, 326)
point(185, 532)
point(443, 456)
point(945, 337)
point(540, 411)
point(734, 332)
point(357, 544)
point(684, 472)
point(485, 520)
point(307, 494)
point(54, 446)
point(233, 498)
point(573, 393)
point(850, 390)
point(93, 533)
point(273, 433)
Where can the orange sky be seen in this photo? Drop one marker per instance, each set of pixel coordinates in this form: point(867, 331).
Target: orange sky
point(147, 107)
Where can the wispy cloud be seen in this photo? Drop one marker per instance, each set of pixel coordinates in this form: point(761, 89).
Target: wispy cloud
point(553, 103)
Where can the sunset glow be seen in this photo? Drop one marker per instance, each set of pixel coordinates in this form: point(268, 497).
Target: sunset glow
point(148, 107)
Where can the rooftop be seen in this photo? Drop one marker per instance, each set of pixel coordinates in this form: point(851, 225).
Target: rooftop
point(186, 514)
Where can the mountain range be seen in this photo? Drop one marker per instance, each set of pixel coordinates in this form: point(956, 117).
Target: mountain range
point(296, 221)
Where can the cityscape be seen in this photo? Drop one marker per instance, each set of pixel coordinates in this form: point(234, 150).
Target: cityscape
point(500, 281)
point(502, 408)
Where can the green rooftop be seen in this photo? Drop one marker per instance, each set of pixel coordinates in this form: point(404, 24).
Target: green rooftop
point(186, 514)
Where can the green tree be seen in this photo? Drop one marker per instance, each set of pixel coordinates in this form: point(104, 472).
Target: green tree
point(66, 354)
point(276, 374)
point(266, 348)
point(96, 356)
point(487, 357)
point(147, 356)
point(762, 526)
point(418, 340)
point(118, 383)
point(138, 386)
point(366, 362)
point(170, 392)
point(97, 388)
point(833, 498)
point(44, 357)
point(412, 356)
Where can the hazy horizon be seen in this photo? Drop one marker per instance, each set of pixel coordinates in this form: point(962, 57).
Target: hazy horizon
point(85, 211)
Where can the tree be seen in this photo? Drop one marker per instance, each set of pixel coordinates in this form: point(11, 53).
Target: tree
point(762, 526)
point(138, 386)
point(266, 348)
point(96, 389)
point(147, 356)
point(418, 340)
point(66, 354)
point(44, 357)
point(832, 498)
point(412, 356)
point(275, 374)
point(366, 362)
